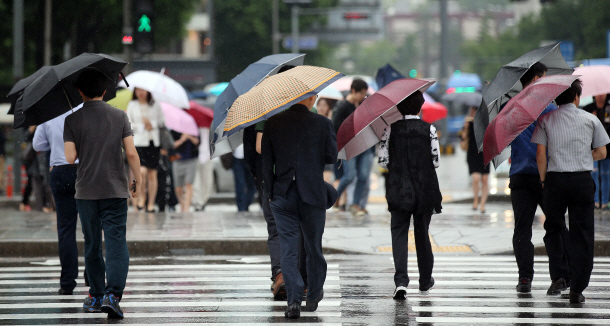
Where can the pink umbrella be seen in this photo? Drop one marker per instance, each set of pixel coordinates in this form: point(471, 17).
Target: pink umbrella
point(521, 111)
point(345, 84)
point(364, 128)
point(179, 120)
point(595, 79)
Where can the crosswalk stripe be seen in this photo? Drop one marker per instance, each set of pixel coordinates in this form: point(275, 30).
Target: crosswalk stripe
point(173, 287)
point(127, 304)
point(509, 320)
point(504, 310)
point(266, 273)
point(160, 296)
point(133, 267)
point(166, 280)
point(181, 314)
point(214, 324)
point(498, 300)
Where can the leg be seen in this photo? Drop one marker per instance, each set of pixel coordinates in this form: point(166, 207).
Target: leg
point(303, 260)
point(180, 196)
point(400, 245)
point(286, 214)
point(605, 187)
point(581, 232)
point(349, 174)
point(425, 258)
point(273, 241)
point(364, 164)
point(484, 191)
point(250, 186)
point(524, 195)
point(145, 180)
point(94, 261)
point(476, 179)
point(312, 226)
point(208, 181)
point(161, 191)
point(152, 188)
point(38, 188)
point(62, 184)
point(113, 214)
point(188, 196)
point(555, 208)
point(240, 184)
point(595, 174)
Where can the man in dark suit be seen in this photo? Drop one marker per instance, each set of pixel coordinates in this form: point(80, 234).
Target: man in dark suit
point(296, 145)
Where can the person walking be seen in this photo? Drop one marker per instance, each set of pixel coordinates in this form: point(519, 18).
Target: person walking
point(95, 135)
point(359, 167)
point(146, 118)
point(476, 167)
point(600, 107)
point(296, 144)
point(49, 137)
point(185, 168)
point(245, 189)
point(568, 134)
point(409, 150)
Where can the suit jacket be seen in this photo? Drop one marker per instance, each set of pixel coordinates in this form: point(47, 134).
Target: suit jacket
point(296, 145)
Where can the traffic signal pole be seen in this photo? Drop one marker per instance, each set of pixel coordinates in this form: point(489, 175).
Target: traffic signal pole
point(127, 30)
point(295, 28)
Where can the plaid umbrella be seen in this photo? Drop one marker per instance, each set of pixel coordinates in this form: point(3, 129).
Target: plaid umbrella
point(277, 93)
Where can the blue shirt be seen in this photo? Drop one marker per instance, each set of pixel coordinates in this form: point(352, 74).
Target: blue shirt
point(49, 136)
point(523, 151)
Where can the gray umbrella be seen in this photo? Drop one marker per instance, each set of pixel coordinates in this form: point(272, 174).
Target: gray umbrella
point(469, 99)
point(506, 84)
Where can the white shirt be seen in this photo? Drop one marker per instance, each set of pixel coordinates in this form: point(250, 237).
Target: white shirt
point(204, 145)
point(136, 113)
point(384, 153)
point(49, 136)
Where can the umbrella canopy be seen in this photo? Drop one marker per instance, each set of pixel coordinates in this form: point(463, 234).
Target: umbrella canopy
point(53, 93)
point(506, 84)
point(218, 88)
point(22, 84)
point(277, 93)
point(386, 75)
point(179, 120)
point(203, 115)
point(469, 99)
point(331, 93)
point(521, 111)
point(432, 112)
point(365, 126)
point(122, 98)
point(595, 80)
point(162, 87)
point(344, 85)
point(244, 82)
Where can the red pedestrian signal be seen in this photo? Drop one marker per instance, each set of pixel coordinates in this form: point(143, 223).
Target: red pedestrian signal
point(127, 39)
point(355, 15)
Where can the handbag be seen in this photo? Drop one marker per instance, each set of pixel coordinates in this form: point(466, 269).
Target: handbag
point(227, 160)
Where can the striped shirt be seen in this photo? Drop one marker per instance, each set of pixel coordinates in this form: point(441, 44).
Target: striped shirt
point(384, 152)
point(570, 134)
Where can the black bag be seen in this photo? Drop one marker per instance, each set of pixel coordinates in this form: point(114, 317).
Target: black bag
point(227, 160)
point(29, 154)
point(167, 141)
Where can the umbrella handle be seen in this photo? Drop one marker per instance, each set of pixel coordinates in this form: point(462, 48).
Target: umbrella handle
point(124, 79)
point(68, 97)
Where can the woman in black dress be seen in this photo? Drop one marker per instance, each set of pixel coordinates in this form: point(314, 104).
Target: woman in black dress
point(476, 167)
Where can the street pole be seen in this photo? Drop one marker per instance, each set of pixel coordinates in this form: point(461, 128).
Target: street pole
point(210, 11)
point(444, 46)
point(295, 28)
point(127, 30)
point(275, 26)
point(17, 39)
point(48, 8)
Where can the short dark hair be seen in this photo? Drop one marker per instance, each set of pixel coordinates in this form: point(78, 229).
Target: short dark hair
point(358, 85)
point(285, 68)
point(412, 104)
point(537, 69)
point(149, 98)
point(92, 83)
point(569, 95)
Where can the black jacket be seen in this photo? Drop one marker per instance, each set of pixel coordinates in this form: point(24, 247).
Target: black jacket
point(296, 145)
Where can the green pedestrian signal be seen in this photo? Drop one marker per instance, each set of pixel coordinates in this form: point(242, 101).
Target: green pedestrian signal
point(413, 73)
point(144, 24)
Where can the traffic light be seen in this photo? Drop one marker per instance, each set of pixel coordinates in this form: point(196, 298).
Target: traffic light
point(413, 73)
point(144, 27)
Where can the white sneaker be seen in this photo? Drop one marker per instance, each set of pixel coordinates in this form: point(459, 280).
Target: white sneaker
point(400, 293)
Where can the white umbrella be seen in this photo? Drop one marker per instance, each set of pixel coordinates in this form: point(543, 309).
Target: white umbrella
point(162, 87)
point(331, 93)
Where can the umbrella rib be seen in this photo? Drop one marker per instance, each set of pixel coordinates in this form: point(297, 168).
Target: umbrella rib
point(382, 119)
point(124, 79)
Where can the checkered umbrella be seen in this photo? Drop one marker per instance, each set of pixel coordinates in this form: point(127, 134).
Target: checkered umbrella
point(276, 93)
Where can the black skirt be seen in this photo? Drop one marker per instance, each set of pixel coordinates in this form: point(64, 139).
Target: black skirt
point(149, 156)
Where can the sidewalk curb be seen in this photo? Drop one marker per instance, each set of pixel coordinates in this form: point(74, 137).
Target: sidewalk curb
point(601, 248)
point(147, 248)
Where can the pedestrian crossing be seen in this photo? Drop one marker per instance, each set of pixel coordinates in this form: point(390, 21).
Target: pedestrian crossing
point(469, 290)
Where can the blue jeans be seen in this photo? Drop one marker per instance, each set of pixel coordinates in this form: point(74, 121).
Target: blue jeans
point(62, 182)
point(605, 187)
point(109, 215)
point(358, 168)
point(244, 184)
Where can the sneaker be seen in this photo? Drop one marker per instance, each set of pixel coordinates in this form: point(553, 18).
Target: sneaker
point(362, 212)
point(354, 209)
point(93, 304)
point(279, 288)
point(426, 288)
point(576, 297)
point(110, 305)
point(524, 285)
point(400, 293)
point(557, 286)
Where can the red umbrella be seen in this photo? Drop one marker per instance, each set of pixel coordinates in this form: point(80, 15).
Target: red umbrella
point(202, 115)
point(521, 111)
point(364, 128)
point(432, 112)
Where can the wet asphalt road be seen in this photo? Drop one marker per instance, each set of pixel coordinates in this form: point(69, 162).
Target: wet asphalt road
point(214, 290)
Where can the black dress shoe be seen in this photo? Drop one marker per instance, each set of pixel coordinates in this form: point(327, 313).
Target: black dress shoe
point(576, 297)
point(293, 311)
point(64, 292)
point(313, 305)
point(557, 286)
point(524, 285)
point(424, 289)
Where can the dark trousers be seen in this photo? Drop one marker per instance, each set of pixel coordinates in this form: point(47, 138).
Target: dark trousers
point(165, 190)
point(400, 221)
point(525, 195)
point(273, 240)
point(109, 215)
point(294, 217)
point(572, 192)
point(244, 184)
point(63, 181)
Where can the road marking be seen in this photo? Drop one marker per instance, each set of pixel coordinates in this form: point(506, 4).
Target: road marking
point(500, 320)
point(133, 267)
point(165, 280)
point(182, 314)
point(505, 310)
point(159, 273)
point(128, 304)
point(158, 296)
point(173, 287)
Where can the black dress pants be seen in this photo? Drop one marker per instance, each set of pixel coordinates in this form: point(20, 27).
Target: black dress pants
point(273, 241)
point(574, 192)
point(525, 195)
point(400, 246)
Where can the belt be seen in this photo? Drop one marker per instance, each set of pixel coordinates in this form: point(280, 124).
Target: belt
point(65, 166)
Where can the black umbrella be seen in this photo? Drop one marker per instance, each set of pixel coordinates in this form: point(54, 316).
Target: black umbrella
point(506, 84)
point(17, 90)
point(53, 93)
